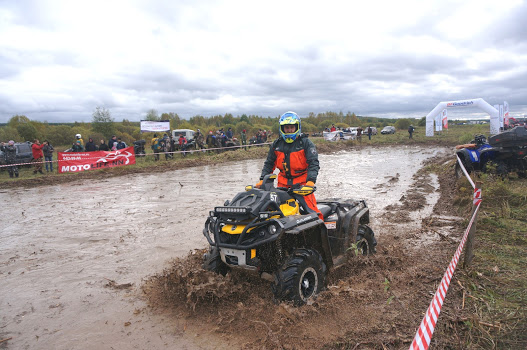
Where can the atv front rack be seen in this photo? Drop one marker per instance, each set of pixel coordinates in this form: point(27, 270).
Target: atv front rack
point(262, 231)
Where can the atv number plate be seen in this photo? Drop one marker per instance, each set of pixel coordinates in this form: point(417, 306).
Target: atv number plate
point(331, 225)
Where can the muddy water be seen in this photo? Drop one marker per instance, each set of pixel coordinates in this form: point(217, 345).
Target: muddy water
point(68, 252)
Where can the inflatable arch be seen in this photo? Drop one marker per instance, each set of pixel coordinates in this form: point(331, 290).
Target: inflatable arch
point(478, 102)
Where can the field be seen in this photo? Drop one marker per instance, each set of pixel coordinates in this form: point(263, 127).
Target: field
point(372, 302)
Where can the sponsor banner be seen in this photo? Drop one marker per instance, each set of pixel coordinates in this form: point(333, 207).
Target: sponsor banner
point(155, 126)
point(445, 119)
point(460, 104)
point(75, 162)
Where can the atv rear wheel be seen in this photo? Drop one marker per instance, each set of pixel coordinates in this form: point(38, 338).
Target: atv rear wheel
point(212, 262)
point(366, 240)
point(300, 278)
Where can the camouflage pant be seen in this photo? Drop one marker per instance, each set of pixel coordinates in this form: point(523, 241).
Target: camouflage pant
point(38, 165)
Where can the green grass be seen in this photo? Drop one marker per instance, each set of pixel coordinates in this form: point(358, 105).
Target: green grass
point(498, 273)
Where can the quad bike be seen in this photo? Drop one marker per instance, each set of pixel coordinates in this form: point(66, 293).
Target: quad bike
point(230, 144)
point(139, 148)
point(273, 232)
point(507, 151)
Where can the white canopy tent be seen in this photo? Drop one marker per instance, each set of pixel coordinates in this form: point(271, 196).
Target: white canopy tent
point(478, 102)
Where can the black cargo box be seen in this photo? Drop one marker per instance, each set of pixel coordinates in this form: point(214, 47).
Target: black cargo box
point(516, 137)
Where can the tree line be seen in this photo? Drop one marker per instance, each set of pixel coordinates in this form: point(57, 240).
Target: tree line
point(102, 126)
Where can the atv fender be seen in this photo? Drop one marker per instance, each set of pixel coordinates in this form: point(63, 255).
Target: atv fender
point(351, 224)
point(319, 241)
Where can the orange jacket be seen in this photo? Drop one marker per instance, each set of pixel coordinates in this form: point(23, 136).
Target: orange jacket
point(297, 162)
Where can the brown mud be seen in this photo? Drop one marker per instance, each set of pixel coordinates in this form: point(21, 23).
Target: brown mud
point(90, 264)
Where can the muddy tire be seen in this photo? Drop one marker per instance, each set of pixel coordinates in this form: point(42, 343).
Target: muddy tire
point(366, 241)
point(212, 262)
point(300, 278)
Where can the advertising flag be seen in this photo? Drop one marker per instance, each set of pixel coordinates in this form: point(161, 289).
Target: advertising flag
point(75, 162)
point(445, 119)
point(502, 124)
point(506, 114)
point(439, 125)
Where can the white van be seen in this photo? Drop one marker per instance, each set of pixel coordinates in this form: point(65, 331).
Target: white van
point(187, 133)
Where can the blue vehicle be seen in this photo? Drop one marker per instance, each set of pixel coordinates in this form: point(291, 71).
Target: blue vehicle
point(507, 151)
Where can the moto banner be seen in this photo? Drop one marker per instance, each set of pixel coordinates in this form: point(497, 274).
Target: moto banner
point(75, 162)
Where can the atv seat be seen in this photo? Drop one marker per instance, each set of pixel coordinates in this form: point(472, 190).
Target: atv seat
point(324, 209)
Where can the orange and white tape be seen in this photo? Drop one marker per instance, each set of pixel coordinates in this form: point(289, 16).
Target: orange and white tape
point(424, 333)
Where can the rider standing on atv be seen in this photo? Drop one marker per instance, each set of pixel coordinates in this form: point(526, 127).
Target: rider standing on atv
point(295, 156)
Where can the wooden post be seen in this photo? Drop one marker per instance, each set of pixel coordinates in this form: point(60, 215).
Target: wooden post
point(469, 248)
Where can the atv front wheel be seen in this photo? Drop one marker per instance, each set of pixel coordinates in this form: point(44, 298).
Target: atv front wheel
point(365, 240)
point(300, 278)
point(212, 262)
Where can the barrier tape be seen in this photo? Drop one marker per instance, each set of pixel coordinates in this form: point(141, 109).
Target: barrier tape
point(148, 154)
point(477, 197)
point(424, 333)
point(426, 328)
point(465, 171)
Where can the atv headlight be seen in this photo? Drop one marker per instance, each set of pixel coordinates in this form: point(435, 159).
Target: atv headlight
point(264, 216)
point(272, 229)
point(231, 210)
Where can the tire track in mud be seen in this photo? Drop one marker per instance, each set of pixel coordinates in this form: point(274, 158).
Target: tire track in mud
point(370, 302)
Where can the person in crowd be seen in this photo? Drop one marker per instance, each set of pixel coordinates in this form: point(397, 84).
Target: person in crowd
point(183, 144)
point(103, 146)
point(48, 155)
point(78, 137)
point(156, 146)
point(244, 139)
point(259, 136)
point(370, 131)
point(112, 140)
point(36, 148)
point(223, 139)
point(295, 156)
point(211, 140)
point(411, 131)
point(120, 144)
point(333, 128)
point(359, 134)
point(90, 146)
point(229, 133)
point(10, 157)
point(199, 139)
point(77, 147)
point(166, 147)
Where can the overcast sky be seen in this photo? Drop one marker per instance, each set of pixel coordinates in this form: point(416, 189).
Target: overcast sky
point(59, 60)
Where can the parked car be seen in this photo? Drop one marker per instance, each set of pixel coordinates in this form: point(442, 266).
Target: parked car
point(352, 130)
point(23, 153)
point(187, 133)
point(388, 130)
